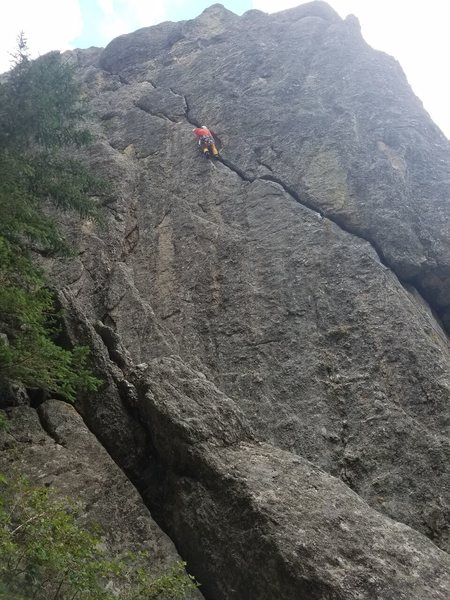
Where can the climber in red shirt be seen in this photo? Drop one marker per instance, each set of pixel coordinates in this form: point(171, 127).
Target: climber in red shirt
point(206, 141)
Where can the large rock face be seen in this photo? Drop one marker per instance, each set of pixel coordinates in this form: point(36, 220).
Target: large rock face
point(306, 276)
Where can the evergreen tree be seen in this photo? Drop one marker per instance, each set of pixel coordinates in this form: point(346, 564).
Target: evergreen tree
point(40, 123)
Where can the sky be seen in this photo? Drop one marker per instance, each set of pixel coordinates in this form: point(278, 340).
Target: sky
point(415, 32)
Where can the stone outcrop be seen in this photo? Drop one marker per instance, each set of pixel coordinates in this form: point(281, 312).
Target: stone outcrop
point(272, 329)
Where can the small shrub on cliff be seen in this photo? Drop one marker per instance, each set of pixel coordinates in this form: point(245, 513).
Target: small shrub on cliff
point(28, 319)
point(45, 554)
point(40, 116)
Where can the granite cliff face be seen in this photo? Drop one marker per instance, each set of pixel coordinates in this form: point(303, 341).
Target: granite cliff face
point(272, 329)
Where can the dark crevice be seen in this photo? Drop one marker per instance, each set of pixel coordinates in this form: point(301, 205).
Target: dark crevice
point(186, 105)
point(146, 471)
point(109, 321)
point(166, 213)
point(236, 170)
point(49, 430)
point(306, 201)
point(131, 241)
point(159, 115)
point(440, 313)
point(266, 166)
point(116, 351)
point(187, 111)
point(37, 397)
point(177, 311)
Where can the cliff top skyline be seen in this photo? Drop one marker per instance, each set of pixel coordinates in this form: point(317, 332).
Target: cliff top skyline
point(416, 37)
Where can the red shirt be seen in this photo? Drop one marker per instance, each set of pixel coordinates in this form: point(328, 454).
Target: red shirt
point(200, 131)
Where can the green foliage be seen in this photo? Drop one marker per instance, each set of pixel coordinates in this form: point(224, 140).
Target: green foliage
point(29, 321)
point(40, 115)
point(41, 104)
point(45, 554)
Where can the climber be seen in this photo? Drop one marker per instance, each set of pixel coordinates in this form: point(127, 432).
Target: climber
point(206, 141)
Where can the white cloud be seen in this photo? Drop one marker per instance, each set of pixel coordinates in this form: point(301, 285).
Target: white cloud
point(270, 6)
point(147, 12)
point(123, 16)
point(47, 24)
point(54, 24)
point(106, 6)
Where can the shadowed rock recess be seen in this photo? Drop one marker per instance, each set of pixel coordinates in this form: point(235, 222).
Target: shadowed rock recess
point(272, 329)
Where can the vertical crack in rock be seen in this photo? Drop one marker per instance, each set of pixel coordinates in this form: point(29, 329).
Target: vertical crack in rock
point(307, 202)
point(47, 425)
point(159, 115)
point(300, 199)
point(187, 110)
point(79, 468)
